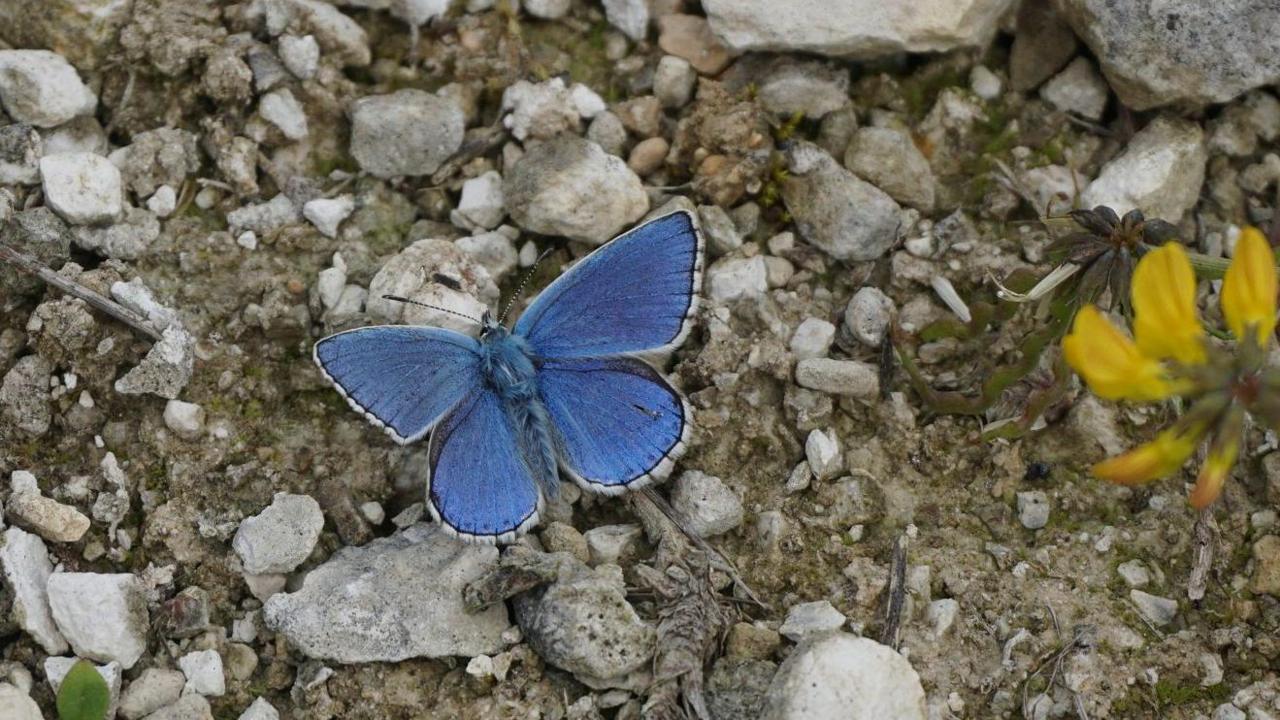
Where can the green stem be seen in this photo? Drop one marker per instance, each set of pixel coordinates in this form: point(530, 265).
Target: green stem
point(1208, 268)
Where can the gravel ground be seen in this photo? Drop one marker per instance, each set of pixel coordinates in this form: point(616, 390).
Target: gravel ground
point(193, 508)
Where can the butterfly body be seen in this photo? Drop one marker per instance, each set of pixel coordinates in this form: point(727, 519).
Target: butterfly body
point(563, 391)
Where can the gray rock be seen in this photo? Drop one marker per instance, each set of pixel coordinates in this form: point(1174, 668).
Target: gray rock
point(203, 669)
point(839, 377)
point(822, 453)
point(104, 617)
point(165, 370)
point(40, 233)
point(494, 251)
point(392, 599)
point(811, 88)
point(629, 16)
point(41, 88)
point(1159, 610)
point(338, 35)
point(540, 110)
point(607, 131)
point(1160, 172)
point(736, 687)
point(984, 83)
point(83, 188)
point(572, 188)
point(855, 28)
point(24, 395)
point(153, 689)
point(719, 229)
point(409, 274)
point(673, 81)
point(582, 623)
point(185, 419)
point(164, 156)
point(260, 709)
point(868, 315)
point(137, 297)
point(1078, 89)
point(546, 9)
point(710, 506)
point(811, 620)
point(128, 239)
point(888, 159)
point(611, 544)
point(842, 677)
point(301, 55)
point(737, 278)
point(409, 132)
point(20, 150)
point(1043, 44)
point(1033, 509)
point(328, 213)
point(941, 615)
point(46, 517)
point(1134, 573)
point(835, 211)
point(282, 109)
point(264, 218)
point(280, 537)
point(18, 703)
point(188, 707)
point(482, 204)
point(812, 339)
point(1227, 711)
point(1181, 52)
point(163, 201)
point(25, 562)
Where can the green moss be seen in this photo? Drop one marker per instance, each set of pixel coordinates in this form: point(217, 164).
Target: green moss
point(1174, 695)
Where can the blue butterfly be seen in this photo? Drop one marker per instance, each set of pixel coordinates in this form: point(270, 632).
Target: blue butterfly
point(568, 387)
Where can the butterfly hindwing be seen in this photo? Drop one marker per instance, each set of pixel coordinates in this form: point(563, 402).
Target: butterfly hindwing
point(618, 423)
point(635, 294)
point(402, 378)
point(478, 485)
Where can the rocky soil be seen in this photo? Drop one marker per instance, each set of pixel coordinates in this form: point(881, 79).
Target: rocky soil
point(192, 508)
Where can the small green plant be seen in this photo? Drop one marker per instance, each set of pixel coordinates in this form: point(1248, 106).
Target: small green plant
point(84, 694)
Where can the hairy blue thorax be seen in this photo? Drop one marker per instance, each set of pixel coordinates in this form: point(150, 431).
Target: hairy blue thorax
point(506, 364)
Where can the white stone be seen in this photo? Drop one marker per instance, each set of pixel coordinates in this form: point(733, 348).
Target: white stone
point(839, 377)
point(185, 419)
point(710, 506)
point(493, 250)
point(1159, 610)
point(163, 201)
point(586, 102)
point(629, 16)
point(282, 109)
point(1033, 509)
point(1160, 172)
point(941, 615)
point(23, 481)
point(673, 81)
point(737, 278)
point(609, 544)
point(547, 9)
point(329, 285)
point(822, 452)
point(260, 709)
point(482, 205)
point(47, 517)
point(41, 88)
point(153, 689)
point(247, 240)
point(136, 296)
point(812, 338)
point(326, 214)
point(540, 110)
point(301, 55)
point(855, 28)
point(984, 83)
point(83, 188)
point(26, 566)
point(409, 132)
point(1079, 88)
point(17, 704)
point(203, 669)
point(842, 677)
point(868, 315)
point(280, 537)
point(103, 616)
point(810, 620)
point(373, 512)
point(1134, 573)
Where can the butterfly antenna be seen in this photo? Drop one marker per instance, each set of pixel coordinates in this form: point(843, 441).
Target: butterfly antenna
point(397, 298)
point(520, 288)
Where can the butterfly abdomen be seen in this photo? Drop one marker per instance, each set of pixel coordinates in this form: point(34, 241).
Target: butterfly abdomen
point(509, 370)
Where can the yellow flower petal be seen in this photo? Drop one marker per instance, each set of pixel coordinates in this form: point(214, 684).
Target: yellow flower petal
point(1110, 362)
point(1214, 473)
point(1165, 324)
point(1149, 461)
point(1249, 288)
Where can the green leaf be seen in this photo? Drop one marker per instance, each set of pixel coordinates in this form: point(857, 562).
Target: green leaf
point(84, 695)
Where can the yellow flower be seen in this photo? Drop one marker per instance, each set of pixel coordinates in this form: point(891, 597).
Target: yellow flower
point(1165, 323)
point(1152, 460)
point(1249, 288)
point(1110, 362)
point(1170, 355)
